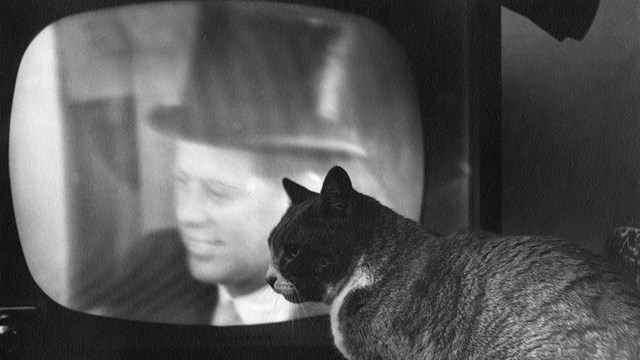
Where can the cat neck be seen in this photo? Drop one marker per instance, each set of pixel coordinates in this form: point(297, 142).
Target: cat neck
point(361, 275)
point(388, 236)
point(383, 238)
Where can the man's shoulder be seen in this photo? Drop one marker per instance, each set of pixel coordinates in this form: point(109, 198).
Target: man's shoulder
point(167, 234)
point(165, 239)
point(155, 283)
point(157, 251)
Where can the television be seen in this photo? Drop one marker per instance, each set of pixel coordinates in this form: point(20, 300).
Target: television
point(102, 100)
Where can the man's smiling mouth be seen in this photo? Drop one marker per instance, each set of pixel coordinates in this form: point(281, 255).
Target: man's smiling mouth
point(198, 246)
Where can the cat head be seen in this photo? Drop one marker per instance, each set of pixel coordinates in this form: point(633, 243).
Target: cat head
point(313, 245)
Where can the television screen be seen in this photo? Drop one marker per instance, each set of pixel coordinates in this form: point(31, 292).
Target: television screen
point(151, 185)
point(147, 145)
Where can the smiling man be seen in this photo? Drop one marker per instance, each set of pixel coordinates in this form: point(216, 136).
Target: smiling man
point(223, 211)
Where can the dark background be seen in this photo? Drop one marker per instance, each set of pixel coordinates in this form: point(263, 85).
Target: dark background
point(571, 127)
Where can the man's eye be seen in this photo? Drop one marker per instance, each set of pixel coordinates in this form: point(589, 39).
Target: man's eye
point(215, 192)
point(182, 178)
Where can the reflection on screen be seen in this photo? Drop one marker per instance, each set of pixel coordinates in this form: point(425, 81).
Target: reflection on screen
point(148, 145)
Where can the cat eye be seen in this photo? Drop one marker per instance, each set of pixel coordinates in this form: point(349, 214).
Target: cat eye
point(292, 250)
point(324, 262)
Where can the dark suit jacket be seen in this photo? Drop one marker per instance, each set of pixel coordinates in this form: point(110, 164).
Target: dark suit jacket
point(154, 284)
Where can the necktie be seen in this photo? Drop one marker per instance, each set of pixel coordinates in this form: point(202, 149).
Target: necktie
point(226, 314)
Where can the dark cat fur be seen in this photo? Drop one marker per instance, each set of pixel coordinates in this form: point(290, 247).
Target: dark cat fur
point(399, 292)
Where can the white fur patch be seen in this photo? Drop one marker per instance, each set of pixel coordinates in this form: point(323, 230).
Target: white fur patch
point(360, 278)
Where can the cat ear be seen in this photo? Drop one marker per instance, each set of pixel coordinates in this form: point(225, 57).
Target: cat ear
point(296, 192)
point(336, 191)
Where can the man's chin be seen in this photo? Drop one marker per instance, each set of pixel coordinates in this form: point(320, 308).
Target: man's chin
point(228, 276)
point(209, 274)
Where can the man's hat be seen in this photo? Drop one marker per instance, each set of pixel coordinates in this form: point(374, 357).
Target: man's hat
point(284, 78)
point(292, 78)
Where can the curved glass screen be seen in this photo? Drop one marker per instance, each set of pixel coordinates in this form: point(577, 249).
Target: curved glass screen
point(148, 145)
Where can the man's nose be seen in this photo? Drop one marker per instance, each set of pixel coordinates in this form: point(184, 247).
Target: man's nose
point(193, 215)
point(272, 276)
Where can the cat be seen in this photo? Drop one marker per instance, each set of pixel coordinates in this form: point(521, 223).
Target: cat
point(397, 291)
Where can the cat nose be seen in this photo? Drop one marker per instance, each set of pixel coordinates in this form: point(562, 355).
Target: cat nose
point(271, 280)
point(272, 275)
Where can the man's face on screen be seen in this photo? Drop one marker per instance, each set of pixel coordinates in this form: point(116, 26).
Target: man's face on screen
point(225, 212)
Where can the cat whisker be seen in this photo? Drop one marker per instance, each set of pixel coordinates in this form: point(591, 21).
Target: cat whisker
point(275, 302)
point(301, 307)
point(267, 302)
point(293, 317)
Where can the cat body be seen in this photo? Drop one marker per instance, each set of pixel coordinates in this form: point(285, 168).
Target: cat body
point(399, 292)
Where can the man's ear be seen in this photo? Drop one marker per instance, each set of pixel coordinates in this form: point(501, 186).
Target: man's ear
point(296, 192)
point(335, 195)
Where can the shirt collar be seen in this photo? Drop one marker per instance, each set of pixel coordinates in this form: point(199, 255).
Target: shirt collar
point(265, 306)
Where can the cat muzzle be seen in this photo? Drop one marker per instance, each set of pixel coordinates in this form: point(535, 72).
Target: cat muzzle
point(272, 275)
point(282, 286)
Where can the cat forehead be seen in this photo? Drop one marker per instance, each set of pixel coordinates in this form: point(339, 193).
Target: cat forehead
point(297, 210)
point(297, 216)
point(292, 218)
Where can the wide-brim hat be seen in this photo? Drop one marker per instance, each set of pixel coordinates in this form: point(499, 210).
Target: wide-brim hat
point(270, 77)
point(287, 78)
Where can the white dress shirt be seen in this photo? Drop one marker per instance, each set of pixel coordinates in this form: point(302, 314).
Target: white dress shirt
point(260, 307)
